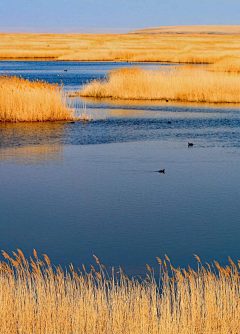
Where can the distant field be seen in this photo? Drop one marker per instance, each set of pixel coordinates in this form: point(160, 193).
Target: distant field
point(207, 29)
point(169, 46)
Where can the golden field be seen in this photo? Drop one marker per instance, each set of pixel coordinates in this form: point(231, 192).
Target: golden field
point(22, 100)
point(195, 47)
point(192, 29)
point(192, 84)
point(37, 297)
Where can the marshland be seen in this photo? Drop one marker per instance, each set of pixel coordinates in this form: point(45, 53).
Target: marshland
point(74, 189)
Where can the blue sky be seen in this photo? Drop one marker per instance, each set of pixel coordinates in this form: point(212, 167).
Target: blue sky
point(116, 14)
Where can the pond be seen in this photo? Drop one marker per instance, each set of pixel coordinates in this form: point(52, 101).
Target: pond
point(74, 190)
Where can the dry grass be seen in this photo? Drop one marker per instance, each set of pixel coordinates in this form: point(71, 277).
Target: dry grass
point(39, 298)
point(178, 84)
point(22, 100)
point(187, 48)
point(227, 64)
point(192, 29)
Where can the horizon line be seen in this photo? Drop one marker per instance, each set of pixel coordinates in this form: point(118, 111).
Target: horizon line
point(61, 30)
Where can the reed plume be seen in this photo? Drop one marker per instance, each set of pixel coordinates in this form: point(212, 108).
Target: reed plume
point(37, 297)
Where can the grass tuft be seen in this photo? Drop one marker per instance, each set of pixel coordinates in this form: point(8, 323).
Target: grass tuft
point(25, 101)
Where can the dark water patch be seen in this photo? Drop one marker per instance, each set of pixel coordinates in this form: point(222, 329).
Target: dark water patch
point(116, 130)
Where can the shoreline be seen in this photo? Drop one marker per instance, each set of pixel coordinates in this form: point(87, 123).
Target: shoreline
point(153, 100)
point(101, 61)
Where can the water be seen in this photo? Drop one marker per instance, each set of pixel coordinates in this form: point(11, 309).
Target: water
point(74, 190)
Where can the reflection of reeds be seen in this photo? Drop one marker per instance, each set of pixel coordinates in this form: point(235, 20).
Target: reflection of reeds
point(22, 100)
point(179, 84)
point(32, 155)
point(37, 297)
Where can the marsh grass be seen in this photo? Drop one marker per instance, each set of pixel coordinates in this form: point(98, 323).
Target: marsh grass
point(227, 64)
point(192, 84)
point(25, 101)
point(180, 48)
point(37, 297)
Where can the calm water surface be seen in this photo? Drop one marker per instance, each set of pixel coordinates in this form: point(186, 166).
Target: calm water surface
point(73, 190)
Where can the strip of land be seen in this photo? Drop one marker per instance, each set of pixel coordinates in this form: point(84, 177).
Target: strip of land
point(195, 45)
point(197, 29)
point(191, 84)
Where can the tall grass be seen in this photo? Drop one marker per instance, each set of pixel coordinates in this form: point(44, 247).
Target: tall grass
point(227, 64)
point(183, 48)
point(39, 298)
point(180, 84)
point(22, 100)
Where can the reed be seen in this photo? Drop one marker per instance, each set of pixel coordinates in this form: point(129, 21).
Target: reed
point(39, 298)
point(227, 64)
point(192, 47)
point(178, 84)
point(25, 101)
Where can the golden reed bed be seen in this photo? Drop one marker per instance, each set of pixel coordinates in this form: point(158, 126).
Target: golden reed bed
point(39, 298)
point(192, 84)
point(192, 47)
point(23, 100)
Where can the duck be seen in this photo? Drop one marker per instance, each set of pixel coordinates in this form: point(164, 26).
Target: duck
point(190, 144)
point(161, 171)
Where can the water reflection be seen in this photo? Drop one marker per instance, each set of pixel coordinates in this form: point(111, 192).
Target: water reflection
point(156, 103)
point(32, 155)
point(31, 134)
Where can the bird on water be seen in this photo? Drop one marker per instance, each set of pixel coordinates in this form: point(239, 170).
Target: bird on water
point(161, 171)
point(190, 144)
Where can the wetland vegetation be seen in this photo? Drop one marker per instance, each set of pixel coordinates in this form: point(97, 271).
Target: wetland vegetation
point(25, 101)
point(37, 297)
point(191, 84)
point(63, 170)
point(194, 46)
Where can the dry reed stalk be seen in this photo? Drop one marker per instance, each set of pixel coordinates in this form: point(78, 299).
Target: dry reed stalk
point(179, 84)
point(25, 101)
point(39, 298)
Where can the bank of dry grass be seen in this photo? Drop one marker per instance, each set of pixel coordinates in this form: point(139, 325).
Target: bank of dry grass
point(39, 298)
point(25, 101)
point(184, 48)
point(178, 84)
point(227, 64)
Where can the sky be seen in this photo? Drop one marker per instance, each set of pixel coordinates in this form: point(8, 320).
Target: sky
point(103, 15)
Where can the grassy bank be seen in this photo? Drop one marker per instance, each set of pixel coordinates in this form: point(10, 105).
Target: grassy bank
point(178, 84)
point(185, 48)
point(39, 298)
point(227, 64)
point(25, 101)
